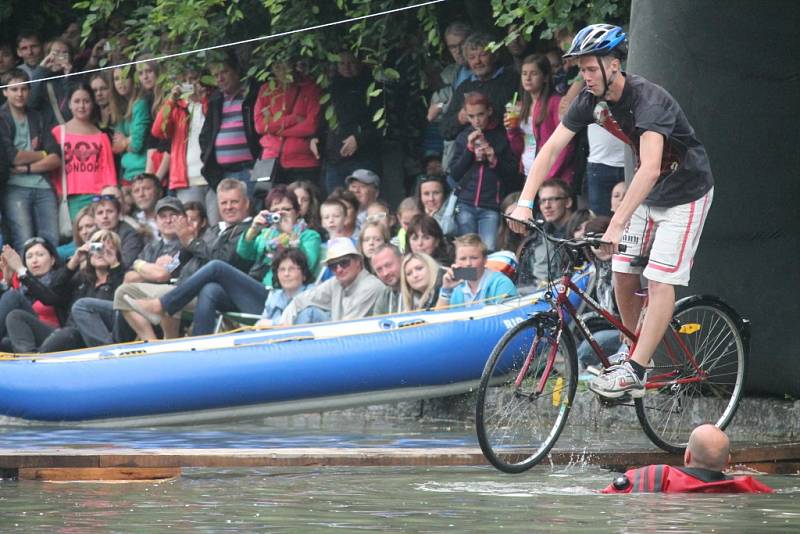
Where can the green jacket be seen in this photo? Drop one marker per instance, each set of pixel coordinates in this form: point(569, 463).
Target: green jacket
point(262, 249)
point(137, 128)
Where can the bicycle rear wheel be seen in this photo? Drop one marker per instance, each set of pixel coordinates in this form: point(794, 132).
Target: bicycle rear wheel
point(525, 394)
point(713, 333)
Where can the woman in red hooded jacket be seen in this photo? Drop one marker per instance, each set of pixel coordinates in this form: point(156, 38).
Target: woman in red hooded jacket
point(180, 120)
point(286, 117)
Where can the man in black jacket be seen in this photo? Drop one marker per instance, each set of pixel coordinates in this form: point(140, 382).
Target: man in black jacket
point(499, 84)
point(228, 141)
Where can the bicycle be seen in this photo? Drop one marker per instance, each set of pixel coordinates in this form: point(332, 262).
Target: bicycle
point(530, 379)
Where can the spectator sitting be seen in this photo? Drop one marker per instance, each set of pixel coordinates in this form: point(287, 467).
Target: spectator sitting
point(420, 280)
point(308, 198)
point(265, 238)
point(90, 272)
point(406, 211)
point(706, 457)
point(365, 185)
point(107, 217)
point(31, 152)
point(197, 218)
point(351, 217)
point(485, 286)
point(291, 277)
point(147, 191)
point(432, 197)
point(379, 211)
point(373, 235)
point(506, 239)
point(157, 264)
point(555, 203)
point(27, 284)
point(617, 194)
point(386, 263)
point(82, 229)
point(425, 235)
point(333, 213)
point(576, 227)
point(484, 167)
point(352, 294)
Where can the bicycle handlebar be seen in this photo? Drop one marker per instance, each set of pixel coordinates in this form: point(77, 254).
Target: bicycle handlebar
point(574, 243)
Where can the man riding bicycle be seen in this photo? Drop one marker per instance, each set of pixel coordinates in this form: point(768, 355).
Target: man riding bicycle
point(663, 212)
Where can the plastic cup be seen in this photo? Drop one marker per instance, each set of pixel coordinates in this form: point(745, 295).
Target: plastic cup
point(513, 115)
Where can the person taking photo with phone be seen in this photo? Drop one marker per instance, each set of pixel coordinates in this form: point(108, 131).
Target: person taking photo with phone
point(468, 281)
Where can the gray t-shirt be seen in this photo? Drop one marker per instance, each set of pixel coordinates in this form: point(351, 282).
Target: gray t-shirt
point(22, 141)
point(645, 106)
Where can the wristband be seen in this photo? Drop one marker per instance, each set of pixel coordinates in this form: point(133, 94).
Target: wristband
point(21, 272)
point(445, 293)
point(522, 203)
point(137, 265)
point(44, 154)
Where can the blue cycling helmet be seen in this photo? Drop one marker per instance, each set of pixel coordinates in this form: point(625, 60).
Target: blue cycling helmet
point(599, 40)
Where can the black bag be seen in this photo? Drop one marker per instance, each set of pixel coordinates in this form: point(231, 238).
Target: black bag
point(264, 174)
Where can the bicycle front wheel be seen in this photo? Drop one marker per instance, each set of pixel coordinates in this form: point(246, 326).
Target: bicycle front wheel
point(525, 394)
point(683, 394)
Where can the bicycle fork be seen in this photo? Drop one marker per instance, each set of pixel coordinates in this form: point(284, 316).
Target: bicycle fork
point(532, 352)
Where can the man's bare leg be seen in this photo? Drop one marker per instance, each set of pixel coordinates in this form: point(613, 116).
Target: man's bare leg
point(142, 327)
point(629, 303)
point(656, 320)
point(171, 326)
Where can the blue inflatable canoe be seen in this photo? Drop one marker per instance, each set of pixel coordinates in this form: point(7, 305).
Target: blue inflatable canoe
point(263, 372)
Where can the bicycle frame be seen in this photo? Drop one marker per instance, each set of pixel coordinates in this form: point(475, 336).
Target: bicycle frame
point(566, 309)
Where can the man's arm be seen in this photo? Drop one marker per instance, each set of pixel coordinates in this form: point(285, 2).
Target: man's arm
point(651, 147)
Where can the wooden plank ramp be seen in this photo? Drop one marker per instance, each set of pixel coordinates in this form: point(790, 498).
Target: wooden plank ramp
point(111, 463)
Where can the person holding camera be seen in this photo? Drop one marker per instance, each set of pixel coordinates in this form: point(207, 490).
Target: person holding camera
point(50, 97)
point(94, 271)
point(468, 281)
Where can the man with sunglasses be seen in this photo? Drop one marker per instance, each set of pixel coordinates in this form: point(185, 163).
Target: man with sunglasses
point(663, 212)
point(352, 293)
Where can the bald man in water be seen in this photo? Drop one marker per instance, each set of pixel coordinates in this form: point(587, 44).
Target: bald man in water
point(707, 455)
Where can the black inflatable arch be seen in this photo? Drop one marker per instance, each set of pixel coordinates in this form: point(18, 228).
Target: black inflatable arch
point(734, 67)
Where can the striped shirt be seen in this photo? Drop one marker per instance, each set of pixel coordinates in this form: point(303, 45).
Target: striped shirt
point(231, 143)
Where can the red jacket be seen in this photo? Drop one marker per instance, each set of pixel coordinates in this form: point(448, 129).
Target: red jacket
point(295, 126)
point(172, 122)
point(666, 479)
point(563, 167)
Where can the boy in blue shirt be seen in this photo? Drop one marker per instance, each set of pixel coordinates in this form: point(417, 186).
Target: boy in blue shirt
point(485, 286)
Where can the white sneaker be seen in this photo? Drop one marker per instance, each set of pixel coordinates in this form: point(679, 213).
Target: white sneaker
point(617, 381)
point(618, 358)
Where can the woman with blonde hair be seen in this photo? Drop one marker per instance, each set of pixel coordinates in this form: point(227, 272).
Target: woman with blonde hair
point(420, 280)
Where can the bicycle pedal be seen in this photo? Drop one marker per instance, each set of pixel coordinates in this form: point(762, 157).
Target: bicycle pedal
point(625, 400)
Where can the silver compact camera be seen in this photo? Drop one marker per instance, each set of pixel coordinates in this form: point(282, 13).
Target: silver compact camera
point(271, 218)
point(96, 248)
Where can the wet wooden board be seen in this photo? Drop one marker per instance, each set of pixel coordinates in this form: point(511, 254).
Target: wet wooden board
point(778, 457)
point(127, 474)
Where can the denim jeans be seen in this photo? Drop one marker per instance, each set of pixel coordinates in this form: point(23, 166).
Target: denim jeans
point(600, 180)
point(13, 299)
point(311, 315)
point(30, 212)
point(481, 221)
point(94, 319)
point(218, 286)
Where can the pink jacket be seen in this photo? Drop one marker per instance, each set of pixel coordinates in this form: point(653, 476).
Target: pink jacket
point(294, 127)
point(563, 167)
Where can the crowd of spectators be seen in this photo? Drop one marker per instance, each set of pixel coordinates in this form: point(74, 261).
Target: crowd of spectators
point(189, 198)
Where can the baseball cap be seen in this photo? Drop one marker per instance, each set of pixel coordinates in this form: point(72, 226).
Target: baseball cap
point(170, 203)
point(365, 176)
point(339, 247)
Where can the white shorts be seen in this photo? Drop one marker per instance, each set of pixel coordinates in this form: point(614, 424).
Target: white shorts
point(669, 236)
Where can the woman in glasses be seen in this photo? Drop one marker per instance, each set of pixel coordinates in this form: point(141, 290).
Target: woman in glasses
point(28, 284)
point(220, 287)
point(291, 277)
point(94, 271)
point(88, 160)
